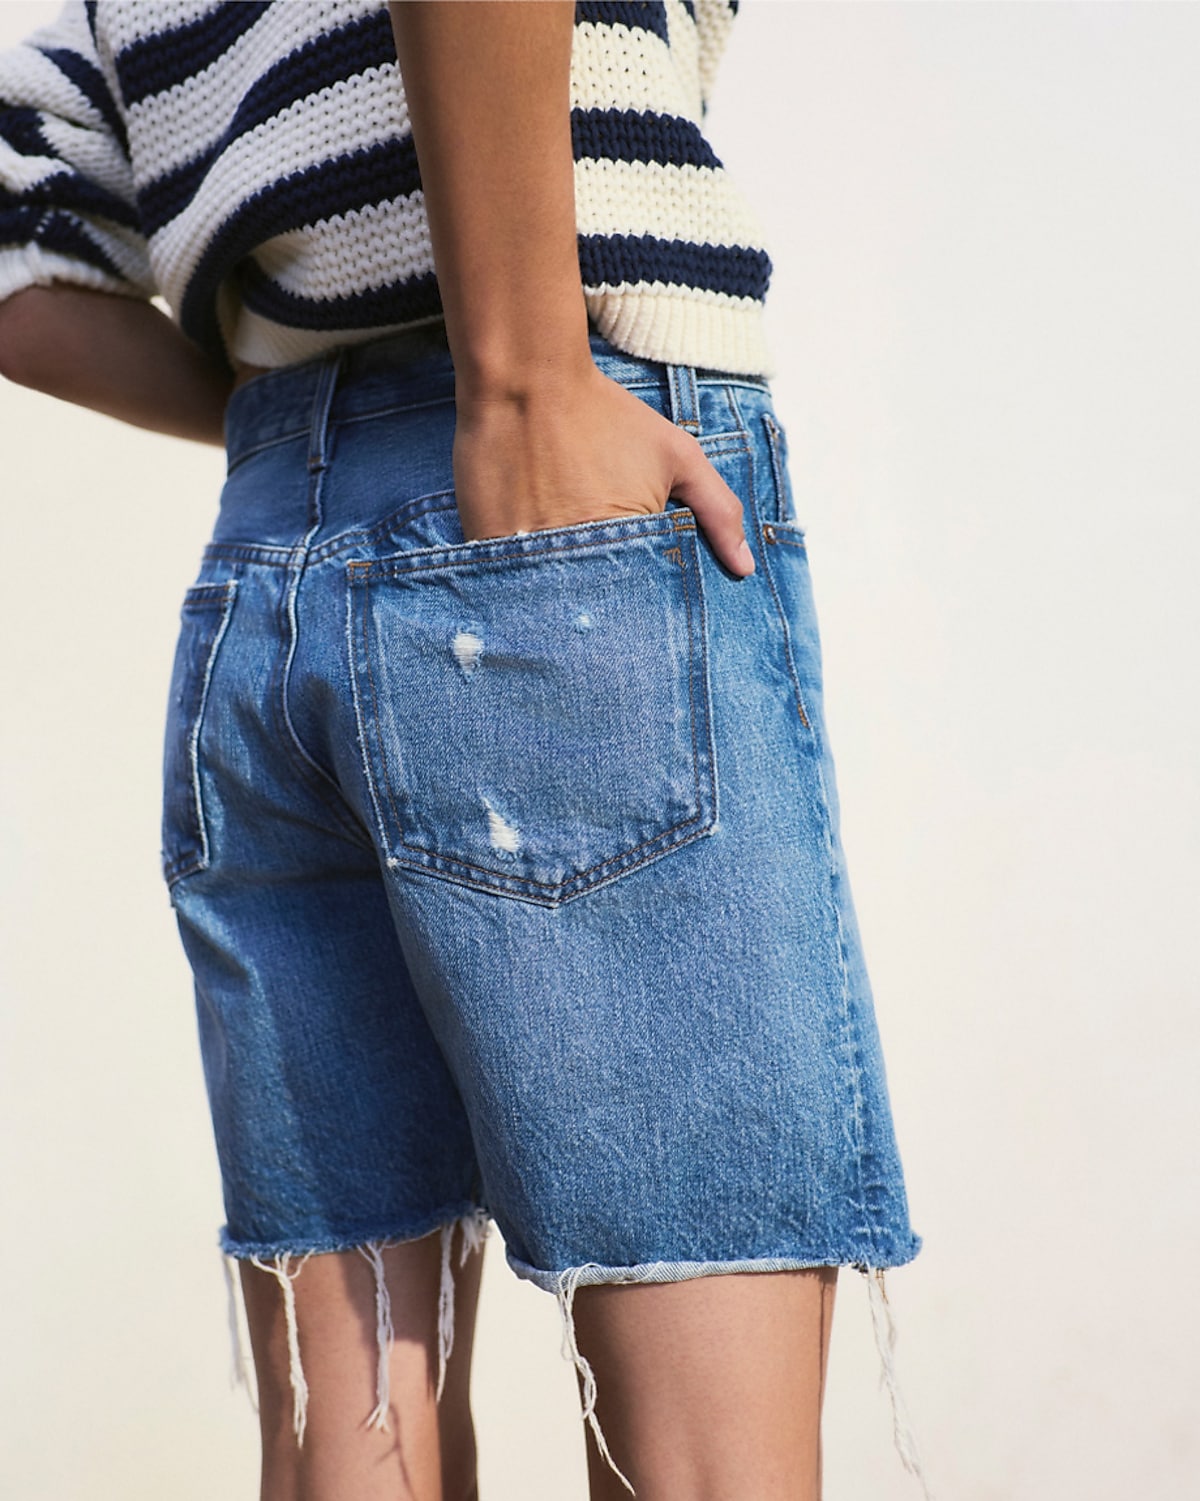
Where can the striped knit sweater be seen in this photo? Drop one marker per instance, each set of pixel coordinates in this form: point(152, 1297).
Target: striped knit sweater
point(252, 165)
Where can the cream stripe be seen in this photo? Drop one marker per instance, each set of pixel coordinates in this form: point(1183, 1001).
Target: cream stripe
point(352, 252)
point(350, 116)
point(675, 203)
point(636, 71)
point(169, 129)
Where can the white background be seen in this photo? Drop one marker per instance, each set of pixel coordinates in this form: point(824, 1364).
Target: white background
point(986, 236)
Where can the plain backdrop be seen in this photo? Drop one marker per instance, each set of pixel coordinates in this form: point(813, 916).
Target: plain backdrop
point(986, 236)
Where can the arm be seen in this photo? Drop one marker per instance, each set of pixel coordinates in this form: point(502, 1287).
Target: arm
point(76, 320)
point(542, 437)
point(115, 354)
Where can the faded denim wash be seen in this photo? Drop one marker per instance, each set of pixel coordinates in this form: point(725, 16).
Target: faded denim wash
point(509, 871)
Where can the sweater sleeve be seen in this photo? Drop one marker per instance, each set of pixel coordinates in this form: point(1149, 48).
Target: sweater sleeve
point(67, 207)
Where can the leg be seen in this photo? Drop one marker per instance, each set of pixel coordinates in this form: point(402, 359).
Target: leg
point(709, 1389)
point(427, 1452)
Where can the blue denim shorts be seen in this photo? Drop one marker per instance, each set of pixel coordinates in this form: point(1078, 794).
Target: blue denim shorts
point(509, 870)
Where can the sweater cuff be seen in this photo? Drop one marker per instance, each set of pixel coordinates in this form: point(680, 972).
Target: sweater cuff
point(30, 265)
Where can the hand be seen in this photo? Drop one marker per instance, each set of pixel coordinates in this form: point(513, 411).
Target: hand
point(584, 450)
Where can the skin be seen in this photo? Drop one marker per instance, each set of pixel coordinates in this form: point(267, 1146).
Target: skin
point(710, 1389)
point(428, 1454)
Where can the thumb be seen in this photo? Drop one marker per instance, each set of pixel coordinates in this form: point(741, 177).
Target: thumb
point(717, 509)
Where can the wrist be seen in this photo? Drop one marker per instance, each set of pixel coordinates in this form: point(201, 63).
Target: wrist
point(516, 359)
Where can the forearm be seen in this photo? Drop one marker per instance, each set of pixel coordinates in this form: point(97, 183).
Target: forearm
point(488, 91)
point(542, 438)
point(116, 355)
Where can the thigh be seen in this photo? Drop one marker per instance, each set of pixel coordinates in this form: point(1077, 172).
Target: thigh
point(418, 1446)
point(711, 1386)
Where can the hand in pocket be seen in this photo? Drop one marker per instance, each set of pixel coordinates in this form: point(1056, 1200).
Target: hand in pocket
point(585, 450)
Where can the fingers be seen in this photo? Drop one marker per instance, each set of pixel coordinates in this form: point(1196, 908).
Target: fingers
point(717, 509)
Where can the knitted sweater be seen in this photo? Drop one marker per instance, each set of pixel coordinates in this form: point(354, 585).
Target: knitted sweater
point(252, 164)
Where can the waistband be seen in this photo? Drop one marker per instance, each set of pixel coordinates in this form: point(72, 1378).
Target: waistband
point(412, 368)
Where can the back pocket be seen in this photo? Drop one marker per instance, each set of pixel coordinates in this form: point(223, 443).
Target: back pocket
point(205, 615)
point(534, 710)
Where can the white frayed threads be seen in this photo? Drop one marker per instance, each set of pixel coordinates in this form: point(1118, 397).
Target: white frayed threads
point(565, 1293)
point(280, 1269)
point(474, 1228)
point(384, 1335)
point(885, 1340)
point(239, 1373)
point(445, 1310)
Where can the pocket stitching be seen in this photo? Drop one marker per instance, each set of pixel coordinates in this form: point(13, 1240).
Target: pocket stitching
point(222, 597)
point(450, 555)
point(775, 442)
point(769, 536)
point(661, 843)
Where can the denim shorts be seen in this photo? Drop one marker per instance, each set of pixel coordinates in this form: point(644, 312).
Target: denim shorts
point(509, 871)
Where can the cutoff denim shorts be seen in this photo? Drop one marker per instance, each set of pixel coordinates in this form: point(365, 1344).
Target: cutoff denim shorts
point(509, 870)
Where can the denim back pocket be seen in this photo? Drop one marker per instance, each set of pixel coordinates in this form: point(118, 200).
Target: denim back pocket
point(534, 710)
point(205, 617)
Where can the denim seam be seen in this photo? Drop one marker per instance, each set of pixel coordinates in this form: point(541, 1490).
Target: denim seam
point(398, 566)
point(242, 454)
point(430, 866)
point(176, 869)
point(245, 552)
point(316, 777)
point(421, 505)
point(517, 886)
point(788, 654)
point(851, 1042)
point(774, 449)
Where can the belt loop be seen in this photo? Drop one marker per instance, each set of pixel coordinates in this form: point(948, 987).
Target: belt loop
point(685, 398)
point(318, 432)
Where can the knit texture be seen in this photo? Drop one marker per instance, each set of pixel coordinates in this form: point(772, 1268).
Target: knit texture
point(252, 164)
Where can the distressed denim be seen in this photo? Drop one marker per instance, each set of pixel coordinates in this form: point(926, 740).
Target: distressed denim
point(509, 871)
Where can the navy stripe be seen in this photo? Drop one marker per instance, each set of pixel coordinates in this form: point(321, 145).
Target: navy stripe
point(67, 236)
point(631, 135)
point(320, 63)
point(346, 182)
point(690, 7)
point(395, 302)
point(650, 17)
point(18, 221)
point(154, 64)
point(21, 128)
point(89, 80)
point(59, 232)
point(65, 188)
point(613, 259)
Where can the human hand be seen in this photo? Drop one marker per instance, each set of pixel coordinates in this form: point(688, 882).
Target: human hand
point(584, 449)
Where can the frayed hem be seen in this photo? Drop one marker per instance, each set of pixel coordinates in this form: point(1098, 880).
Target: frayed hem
point(474, 1224)
point(320, 1245)
point(565, 1284)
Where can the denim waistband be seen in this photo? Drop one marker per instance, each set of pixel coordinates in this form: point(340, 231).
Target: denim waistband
point(410, 368)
